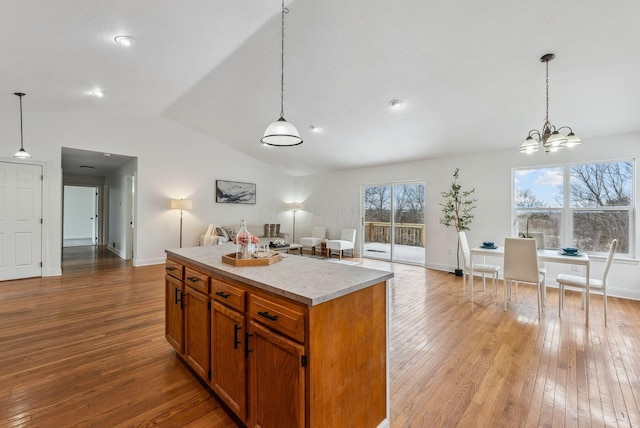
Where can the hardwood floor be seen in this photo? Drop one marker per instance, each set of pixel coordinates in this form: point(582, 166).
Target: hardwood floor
point(88, 349)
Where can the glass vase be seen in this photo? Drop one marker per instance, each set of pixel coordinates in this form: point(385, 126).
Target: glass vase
point(244, 247)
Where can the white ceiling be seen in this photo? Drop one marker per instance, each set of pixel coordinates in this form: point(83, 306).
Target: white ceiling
point(468, 71)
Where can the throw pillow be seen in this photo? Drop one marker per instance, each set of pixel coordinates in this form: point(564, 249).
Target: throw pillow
point(221, 231)
point(272, 230)
point(231, 233)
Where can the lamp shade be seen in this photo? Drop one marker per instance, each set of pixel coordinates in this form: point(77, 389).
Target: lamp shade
point(530, 145)
point(181, 204)
point(22, 154)
point(294, 206)
point(572, 140)
point(281, 133)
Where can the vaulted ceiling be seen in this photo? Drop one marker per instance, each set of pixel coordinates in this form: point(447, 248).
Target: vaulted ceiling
point(468, 72)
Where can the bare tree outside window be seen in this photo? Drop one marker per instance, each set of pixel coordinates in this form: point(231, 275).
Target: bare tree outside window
point(600, 204)
point(601, 198)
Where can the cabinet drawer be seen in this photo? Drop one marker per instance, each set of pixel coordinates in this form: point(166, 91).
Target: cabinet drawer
point(174, 269)
point(228, 294)
point(196, 280)
point(288, 320)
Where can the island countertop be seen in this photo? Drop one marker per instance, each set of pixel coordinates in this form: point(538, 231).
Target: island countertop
point(307, 280)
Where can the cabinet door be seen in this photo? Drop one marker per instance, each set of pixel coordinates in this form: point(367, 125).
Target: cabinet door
point(197, 343)
point(174, 320)
point(276, 380)
point(228, 361)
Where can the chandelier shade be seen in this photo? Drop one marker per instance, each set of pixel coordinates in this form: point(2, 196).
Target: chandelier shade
point(281, 133)
point(550, 138)
point(22, 153)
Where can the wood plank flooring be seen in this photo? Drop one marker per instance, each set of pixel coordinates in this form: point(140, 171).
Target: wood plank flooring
point(87, 349)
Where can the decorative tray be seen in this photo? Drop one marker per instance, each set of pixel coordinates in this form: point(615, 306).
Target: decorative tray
point(278, 245)
point(274, 257)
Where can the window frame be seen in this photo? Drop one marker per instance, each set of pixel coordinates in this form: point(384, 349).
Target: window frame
point(567, 212)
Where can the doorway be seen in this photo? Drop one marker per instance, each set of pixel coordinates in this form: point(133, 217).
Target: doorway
point(81, 218)
point(393, 222)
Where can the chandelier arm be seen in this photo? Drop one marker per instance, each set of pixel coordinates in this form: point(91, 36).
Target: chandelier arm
point(535, 132)
point(563, 127)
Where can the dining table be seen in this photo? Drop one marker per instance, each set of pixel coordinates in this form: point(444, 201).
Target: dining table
point(544, 255)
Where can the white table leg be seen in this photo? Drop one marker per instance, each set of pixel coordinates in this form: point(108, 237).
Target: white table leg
point(586, 310)
point(471, 278)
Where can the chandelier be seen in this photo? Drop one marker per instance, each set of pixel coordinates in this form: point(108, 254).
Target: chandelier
point(281, 132)
point(550, 137)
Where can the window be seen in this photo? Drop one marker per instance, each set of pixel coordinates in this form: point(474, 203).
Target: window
point(583, 205)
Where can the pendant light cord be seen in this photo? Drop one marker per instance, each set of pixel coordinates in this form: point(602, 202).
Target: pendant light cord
point(21, 138)
point(284, 10)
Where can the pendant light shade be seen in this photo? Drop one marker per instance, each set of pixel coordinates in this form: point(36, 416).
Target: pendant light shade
point(22, 153)
point(281, 133)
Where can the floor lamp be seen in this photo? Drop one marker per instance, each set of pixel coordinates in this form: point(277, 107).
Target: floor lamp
point(294, 206)
point(181, 204)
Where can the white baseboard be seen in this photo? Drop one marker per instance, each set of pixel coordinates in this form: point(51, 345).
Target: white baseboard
point(149, 262)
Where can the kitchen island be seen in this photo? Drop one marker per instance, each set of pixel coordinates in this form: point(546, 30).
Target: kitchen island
point(299, 343)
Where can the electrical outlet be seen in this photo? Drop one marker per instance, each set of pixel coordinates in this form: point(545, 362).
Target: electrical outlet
point(575, 268)
point(450, 251)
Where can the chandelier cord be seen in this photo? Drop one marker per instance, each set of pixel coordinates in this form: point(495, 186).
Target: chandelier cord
point(547, 118)
point(284, 10)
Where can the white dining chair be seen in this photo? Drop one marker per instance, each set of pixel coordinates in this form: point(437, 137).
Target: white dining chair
point(478, 268)
point(521, 265)
point(580, 283)
point(542, 268)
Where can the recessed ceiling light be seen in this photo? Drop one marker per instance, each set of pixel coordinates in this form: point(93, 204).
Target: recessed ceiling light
point(87, 167)
point(395, 103)
point(98, 93)
point(124, 40)
point(315, 128)
point(106, 154)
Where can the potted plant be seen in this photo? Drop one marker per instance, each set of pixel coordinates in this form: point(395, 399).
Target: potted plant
point(457, 211)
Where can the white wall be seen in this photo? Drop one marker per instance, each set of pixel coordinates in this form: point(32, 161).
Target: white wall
point(117, 206)
point(173, 162)
point(176, 162)
point(333, 200)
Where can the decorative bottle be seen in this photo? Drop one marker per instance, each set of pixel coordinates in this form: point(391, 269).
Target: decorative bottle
point(243, 242)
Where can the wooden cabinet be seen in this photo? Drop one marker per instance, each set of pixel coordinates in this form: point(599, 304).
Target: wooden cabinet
point(197, 342)
point(174, 318)
point(228, 357)
point(276, 379)
point(277, 362)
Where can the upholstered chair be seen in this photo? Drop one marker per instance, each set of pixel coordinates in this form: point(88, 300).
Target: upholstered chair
point(347, 241)
point(318, 234)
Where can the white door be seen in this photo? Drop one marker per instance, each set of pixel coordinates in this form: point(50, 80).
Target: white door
point(20, 220)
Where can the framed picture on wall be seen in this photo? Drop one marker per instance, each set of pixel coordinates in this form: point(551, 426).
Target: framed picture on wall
point(235, 192)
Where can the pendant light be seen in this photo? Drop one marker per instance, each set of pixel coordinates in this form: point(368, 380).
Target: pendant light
point(550, 138)
point(22, 153)
point(281, 132)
